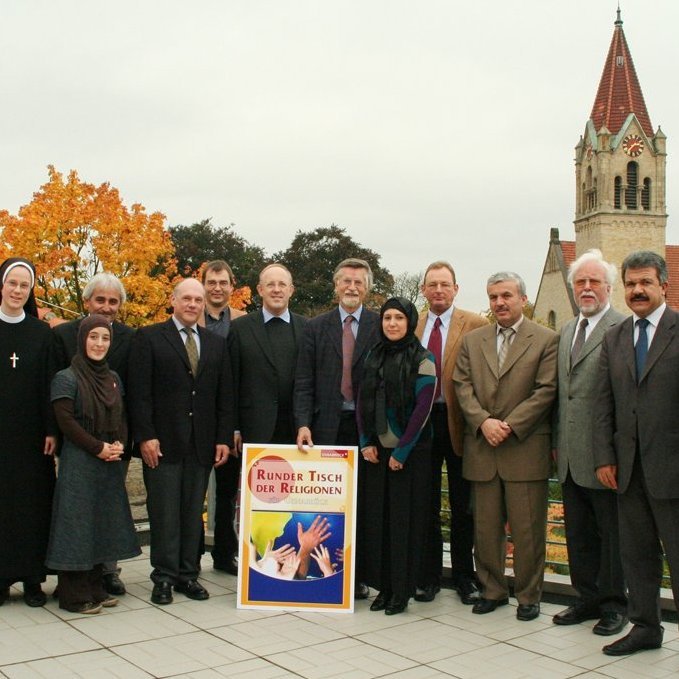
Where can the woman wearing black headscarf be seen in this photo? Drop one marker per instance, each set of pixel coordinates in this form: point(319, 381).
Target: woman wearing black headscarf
point(397, 392)
point(27, 440)
point(91, 520)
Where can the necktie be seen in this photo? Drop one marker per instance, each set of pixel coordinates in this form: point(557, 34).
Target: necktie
point(504, 347)
point(348, 343)
point(191, 350)
point(579, 340)
point(641, 347)
point(434, 345)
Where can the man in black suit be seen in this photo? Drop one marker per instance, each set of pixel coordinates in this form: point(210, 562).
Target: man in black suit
point(636, 435)
point(181, 407)
point(104, 294)
point(263, 350)
point(329, 371)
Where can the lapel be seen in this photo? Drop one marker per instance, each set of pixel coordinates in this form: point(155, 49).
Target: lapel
point(627, 347)
point(455, 329)
point(364, 331)
point(421, 323)
point(171, 334)
point(489, 347)
point(333, 329)
point(521, 343)
point(595, 338)
point(663, 336)
point(566, 342)
point(205, 349)
point(259, 332)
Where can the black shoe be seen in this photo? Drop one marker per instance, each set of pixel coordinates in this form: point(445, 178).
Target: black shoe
point(611, 623)
point(34, 596)
point(4, 595)
point(488, 605)
point(361, 591)
point(192, 589)
point(397, 604)
point(86, 608)
point(574, 615)
point(636, 640)
point(380, 602)
point(229, 566)
point(162, 593)
point(468, 591)
point(426, 593)
point(113, 584)
point(527, 612)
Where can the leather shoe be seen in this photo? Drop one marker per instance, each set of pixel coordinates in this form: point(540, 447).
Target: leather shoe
point(527, 612)
point(162, 593)
point(192, 589)
point(361, 591)
point(468, 591)
point(34, 596)
point(426, 593)
point(397, 604)
point(229, 566)
point(574, 615)
point(113, 584)
point(636, 640)
point(611, 623)
point(4, 595)
point(380, 602)
point(483, 606)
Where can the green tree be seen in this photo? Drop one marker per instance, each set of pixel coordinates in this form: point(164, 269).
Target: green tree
point(312, 258)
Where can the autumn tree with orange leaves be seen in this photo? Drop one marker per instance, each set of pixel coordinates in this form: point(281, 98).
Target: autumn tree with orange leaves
point(72, 230)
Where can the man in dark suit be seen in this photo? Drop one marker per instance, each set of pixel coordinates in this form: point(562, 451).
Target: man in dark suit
point(263, 350)
point(104, 294)
point(590, 509)
point(329, 370)
point(441, 329)
point(636, 434)
point(181, 407)
point(505, 380)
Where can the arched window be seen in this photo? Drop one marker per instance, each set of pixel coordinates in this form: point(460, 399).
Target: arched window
point(617, 194)
point(646, 194)
point(632, 184)
point(551, 320)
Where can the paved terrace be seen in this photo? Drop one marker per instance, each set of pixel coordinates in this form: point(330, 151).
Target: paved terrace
point(211, 639)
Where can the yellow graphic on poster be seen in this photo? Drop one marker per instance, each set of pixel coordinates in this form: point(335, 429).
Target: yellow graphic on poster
point(297, 528)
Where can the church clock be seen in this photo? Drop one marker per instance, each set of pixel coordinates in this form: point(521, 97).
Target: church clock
point(633, 145)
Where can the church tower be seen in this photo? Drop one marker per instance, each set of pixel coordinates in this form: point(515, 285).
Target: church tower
point(620, 167)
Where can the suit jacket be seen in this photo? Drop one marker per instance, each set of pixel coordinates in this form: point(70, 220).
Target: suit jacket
point(578, 395)
point(254, 375)
point(521, 394)
point(631, 416)
point(461, 322)
point(167, 402)
point(317, 398)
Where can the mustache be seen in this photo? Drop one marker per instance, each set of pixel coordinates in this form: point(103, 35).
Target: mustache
point(639, 298)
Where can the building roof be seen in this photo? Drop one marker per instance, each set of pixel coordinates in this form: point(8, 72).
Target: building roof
point(568, 250)
point(619, 92)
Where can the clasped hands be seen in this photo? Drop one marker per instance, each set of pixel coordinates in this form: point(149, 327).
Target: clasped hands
point(495, 431)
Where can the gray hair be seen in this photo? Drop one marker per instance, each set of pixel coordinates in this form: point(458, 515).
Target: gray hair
point(104, 281)
point(642, 259)
point(354, 263)
point(595, 256)
point(502, 276)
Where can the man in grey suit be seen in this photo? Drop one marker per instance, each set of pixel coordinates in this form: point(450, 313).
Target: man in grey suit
point(590, 509)
point(636, 441)
point(505, 380)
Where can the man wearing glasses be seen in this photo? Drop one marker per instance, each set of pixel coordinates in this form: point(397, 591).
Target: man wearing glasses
point(218, 281)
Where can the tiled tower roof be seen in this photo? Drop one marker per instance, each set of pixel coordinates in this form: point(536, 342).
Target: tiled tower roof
point(619, 91)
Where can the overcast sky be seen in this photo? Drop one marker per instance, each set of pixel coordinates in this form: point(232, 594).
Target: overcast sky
point(430, 129)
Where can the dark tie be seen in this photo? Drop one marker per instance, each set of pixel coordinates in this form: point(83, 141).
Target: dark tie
point(434, 345)
point(348, 343)
point(504, 347)
point(191, 349)
point(641, 347)
point(579, 340)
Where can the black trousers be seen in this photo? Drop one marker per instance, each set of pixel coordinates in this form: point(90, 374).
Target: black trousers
point(461, 518)
point(80, 587)
point(593, 545)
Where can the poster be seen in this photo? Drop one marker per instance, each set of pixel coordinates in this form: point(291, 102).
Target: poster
point(297, 528)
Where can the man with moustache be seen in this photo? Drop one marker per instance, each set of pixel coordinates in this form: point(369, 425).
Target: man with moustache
point(590, 509)
point(263, 352)
point(329, 370)
point(636, 432)
point(505, 380)
point(104, 294)
point(181, 408)
point(219, 282)
point(441, 329)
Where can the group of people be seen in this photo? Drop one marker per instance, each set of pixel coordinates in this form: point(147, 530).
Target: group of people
point(496, 402)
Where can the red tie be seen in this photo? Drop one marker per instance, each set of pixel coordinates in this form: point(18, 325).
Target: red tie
point(348, 342)
point(434, 345)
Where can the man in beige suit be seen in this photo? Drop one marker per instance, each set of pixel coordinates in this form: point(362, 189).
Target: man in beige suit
point(505, 380)
point(441, 329)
